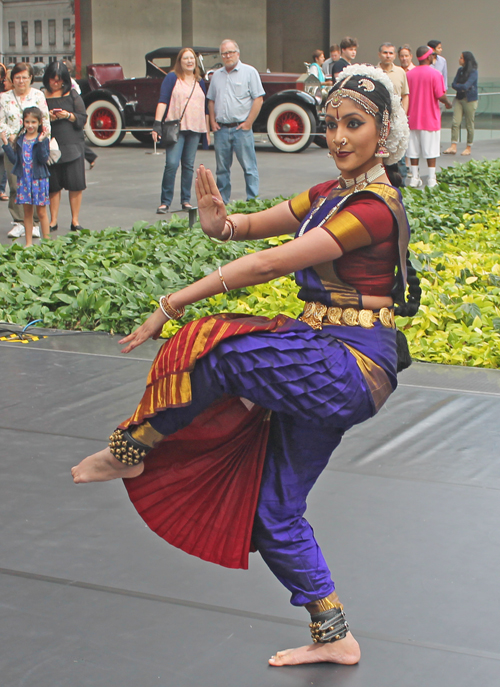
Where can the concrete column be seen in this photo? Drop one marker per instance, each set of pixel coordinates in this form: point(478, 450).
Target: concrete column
point(187, 23)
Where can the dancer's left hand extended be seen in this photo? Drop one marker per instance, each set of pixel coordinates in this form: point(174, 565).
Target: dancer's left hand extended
point(150, 329)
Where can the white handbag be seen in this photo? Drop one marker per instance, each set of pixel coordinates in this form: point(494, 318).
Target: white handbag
point(55, 153)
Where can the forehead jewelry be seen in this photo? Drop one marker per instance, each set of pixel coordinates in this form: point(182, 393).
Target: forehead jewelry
point(338, 96)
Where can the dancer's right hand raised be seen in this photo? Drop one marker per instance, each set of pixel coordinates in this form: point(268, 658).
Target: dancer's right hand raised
point(211, 208)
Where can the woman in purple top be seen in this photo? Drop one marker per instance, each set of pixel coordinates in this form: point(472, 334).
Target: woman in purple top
point(180, 98)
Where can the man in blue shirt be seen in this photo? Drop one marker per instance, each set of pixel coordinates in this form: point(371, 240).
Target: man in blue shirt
point(440, 63)
point(234, 97)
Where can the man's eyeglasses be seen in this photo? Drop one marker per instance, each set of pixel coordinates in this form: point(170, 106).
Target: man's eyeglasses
point(228, 53)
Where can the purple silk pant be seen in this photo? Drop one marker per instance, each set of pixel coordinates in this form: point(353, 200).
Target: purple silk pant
point(316, 391)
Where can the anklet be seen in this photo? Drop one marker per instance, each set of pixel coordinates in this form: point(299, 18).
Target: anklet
point(329, 626)
point(126, 449)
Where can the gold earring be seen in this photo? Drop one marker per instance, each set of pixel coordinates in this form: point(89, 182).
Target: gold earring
point(384, 132)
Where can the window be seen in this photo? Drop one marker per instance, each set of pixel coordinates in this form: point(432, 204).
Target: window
point(67, 31)
point(12, 60)
point(52, 31)
point(38, 32)
point(52, 58)
point(24, 33)
point(12, 33)
point(25, 58)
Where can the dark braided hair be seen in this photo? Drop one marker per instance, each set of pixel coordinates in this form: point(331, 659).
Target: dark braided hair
point(382, 100)
point(410, 308)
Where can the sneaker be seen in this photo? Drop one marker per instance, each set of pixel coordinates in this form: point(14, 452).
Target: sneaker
point(431, 183)
point(415, 182)
point(36, 232)
point(17, 231)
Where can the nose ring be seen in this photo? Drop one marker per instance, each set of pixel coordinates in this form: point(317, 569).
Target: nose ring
point(343, 142)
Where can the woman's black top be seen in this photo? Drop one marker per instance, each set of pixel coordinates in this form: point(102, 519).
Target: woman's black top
point(69, 135)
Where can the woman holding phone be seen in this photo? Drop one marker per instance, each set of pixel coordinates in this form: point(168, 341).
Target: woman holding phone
point(68, 117)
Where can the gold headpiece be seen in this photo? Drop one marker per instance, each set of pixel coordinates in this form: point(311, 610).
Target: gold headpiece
point(360, 99)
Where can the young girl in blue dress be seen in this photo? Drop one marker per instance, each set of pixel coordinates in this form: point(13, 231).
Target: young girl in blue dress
point(29, 157)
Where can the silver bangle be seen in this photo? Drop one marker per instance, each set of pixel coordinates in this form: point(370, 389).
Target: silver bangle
point(169, 317)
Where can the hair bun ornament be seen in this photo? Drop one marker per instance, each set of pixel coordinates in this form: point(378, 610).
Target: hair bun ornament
point(367, 85)
point(399, 132)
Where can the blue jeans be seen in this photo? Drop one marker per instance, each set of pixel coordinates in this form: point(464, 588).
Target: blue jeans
point(227, 140)
point(184, 151)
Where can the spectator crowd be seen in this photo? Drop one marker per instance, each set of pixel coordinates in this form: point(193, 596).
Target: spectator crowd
point(422, 89)
point(41, 129)
point(42, 158)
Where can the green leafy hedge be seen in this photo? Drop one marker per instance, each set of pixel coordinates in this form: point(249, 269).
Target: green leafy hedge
point(109, 280)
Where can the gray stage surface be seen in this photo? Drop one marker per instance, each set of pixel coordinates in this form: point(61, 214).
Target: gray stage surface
point(407, 514)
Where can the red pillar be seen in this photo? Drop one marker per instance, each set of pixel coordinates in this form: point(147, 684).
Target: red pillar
point(78, 40)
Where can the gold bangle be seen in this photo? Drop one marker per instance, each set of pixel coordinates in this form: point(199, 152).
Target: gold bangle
point(170, 312)
point(224, 285)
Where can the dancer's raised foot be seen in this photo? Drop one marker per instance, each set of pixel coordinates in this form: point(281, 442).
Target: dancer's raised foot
point(102, 467)
point(345, 651)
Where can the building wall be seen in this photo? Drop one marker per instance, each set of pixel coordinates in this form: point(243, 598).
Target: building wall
point(116, 32)
point(36, 10)
point(125, 32)
point(243, 21)
point(294, 30)
point(473, 26)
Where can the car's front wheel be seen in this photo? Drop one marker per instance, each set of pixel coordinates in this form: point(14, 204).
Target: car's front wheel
point(291, 127)
point(104, 124)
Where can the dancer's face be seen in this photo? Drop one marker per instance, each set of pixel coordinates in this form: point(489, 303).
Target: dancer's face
point(352, 136)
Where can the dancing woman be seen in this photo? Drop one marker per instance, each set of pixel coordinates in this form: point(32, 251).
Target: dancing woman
point(241, 414)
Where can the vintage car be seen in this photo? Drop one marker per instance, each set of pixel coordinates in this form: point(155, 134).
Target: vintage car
point(291, 114)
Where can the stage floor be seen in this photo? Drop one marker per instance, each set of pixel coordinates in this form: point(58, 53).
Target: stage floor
point(407, 514)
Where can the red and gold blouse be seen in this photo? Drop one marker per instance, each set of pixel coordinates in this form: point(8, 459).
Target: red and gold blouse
point(366, 226)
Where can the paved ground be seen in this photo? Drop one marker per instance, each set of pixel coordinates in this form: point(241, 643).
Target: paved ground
point(124, 187)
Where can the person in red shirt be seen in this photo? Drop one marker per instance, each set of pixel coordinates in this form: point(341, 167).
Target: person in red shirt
point(427, 90)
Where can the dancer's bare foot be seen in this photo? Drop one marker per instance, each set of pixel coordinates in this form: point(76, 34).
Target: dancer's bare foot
point(103, 466)
point(346, 651)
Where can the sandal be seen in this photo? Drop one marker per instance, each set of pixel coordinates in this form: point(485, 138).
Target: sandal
point(4, 196)
point(449, 151)
point(162, 209)
point(187, 206)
